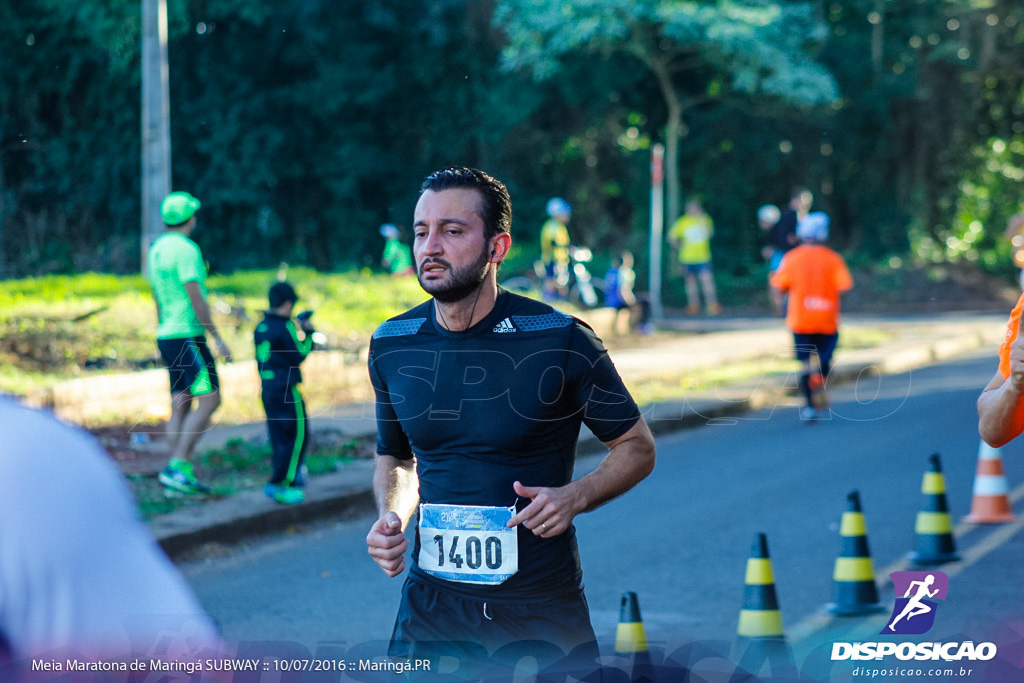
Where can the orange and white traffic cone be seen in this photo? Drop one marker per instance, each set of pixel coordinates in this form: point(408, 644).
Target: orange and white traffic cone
point(991, 501)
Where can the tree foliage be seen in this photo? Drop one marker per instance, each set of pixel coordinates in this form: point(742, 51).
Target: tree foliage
point(304, 125)
point(695, 52)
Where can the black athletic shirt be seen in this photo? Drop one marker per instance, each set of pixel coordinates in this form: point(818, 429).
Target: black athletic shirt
point(780, 235)
point(500, 402)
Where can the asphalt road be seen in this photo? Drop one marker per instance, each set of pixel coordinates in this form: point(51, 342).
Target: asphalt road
point(681, 539)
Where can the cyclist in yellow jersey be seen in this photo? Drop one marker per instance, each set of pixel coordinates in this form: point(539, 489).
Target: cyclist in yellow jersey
point(554, 249)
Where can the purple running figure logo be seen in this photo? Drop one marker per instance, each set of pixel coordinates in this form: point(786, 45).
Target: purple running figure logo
point(914, 613)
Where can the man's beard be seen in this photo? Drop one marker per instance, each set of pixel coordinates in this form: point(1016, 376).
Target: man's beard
point(461, 281)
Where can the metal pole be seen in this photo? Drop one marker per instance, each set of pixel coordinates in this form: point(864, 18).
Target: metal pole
point(657, 227)
point(156, 122)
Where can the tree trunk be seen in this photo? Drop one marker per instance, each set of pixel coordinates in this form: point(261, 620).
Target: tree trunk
point(673, 133)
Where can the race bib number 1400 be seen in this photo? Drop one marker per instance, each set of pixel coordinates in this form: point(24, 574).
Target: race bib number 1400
point(468, 543)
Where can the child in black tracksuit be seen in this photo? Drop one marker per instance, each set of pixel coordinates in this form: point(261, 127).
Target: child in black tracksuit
point(279, 352)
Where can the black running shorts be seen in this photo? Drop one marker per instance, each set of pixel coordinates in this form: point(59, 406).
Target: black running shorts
point(434, 623)
point(190, 364)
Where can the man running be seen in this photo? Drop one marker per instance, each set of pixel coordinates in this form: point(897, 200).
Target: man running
point(177, 275)
point(815, 277)
point(480, 398)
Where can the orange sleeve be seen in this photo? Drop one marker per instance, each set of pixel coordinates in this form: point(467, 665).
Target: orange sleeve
point(1012, 325)
point(780, 278)
point(844, 281)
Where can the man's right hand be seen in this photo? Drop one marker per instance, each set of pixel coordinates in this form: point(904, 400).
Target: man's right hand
point(386, 544)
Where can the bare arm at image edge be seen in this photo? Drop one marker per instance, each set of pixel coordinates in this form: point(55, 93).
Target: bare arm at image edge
point(1001, 409)
point(1001, 404)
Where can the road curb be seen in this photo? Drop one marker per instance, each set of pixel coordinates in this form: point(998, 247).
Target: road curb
point(251, 513)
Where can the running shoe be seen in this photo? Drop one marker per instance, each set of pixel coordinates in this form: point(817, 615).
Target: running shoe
point(300, 476)
point(809, 413)
point(179, 476)
point(286, 495)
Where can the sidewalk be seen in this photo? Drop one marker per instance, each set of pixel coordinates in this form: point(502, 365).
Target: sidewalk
point(914, 341)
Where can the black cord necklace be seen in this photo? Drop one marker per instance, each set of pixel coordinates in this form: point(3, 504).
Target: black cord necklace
point(472, 311)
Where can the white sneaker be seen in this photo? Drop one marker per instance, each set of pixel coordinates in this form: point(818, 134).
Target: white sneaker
point(809, 413)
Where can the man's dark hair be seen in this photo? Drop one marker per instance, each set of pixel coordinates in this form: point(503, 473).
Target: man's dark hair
point(280, 293)
point(496, 207)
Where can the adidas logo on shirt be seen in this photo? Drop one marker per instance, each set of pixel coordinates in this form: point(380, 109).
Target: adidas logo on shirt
point(505, 326)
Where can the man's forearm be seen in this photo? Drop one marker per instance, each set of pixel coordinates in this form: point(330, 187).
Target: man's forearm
point(1001, 414)
point(201, 308)
point(629, 461)
point(396, 487)
point(205, 317)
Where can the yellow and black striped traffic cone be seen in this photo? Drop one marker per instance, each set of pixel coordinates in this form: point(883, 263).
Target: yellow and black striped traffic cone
point(760, 616)
point(762, 641)
point(629, 636)
point(854, 573)
point(934, 525)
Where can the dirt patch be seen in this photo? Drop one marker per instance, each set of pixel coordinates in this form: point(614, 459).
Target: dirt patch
point(137, 449)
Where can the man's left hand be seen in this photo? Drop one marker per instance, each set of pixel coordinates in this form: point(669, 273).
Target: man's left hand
point(550, 512)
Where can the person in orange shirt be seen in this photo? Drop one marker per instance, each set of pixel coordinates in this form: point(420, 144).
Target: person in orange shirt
point(814, 276)
point(1001, 404)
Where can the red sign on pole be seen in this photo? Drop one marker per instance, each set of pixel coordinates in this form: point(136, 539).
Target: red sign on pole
point(657, 164)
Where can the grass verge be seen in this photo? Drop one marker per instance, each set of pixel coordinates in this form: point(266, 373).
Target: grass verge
point(242, 465)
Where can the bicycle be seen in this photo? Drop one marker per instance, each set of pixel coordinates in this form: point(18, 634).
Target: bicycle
point(584, 290)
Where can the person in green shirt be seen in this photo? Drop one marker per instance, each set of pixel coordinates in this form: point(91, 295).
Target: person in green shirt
point(177, 276)
point(397, 256)
point(691, 235)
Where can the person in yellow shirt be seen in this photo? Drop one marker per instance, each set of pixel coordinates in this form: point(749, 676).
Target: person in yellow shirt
point(691, 235)
point(554, 249)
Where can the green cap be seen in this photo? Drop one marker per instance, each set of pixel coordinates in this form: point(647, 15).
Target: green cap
point(178, 207)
